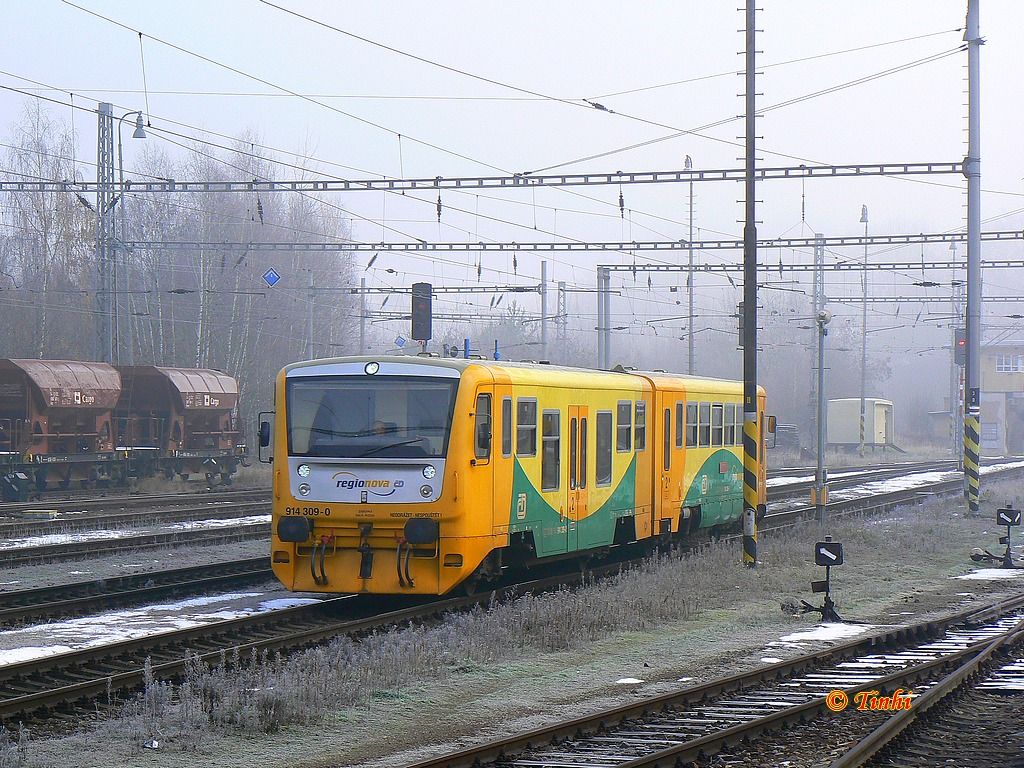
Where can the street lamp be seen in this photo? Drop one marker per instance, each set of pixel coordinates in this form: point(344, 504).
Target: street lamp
point(820, 486)
point(138, 133)
point(864, 326)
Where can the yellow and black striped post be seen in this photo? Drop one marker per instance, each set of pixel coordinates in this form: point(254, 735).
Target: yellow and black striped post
point(972, 460)
point(750, 489)
point(748, 319)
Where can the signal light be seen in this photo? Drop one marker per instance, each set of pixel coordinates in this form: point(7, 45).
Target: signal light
point(960, 346)
point(421, 311)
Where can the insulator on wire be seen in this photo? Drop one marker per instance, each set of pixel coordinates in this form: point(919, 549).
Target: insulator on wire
point(622, 205)
point(515, 265)
point(438, 207)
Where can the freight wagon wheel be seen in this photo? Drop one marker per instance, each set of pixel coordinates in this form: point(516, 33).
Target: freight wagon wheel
point(225, 478)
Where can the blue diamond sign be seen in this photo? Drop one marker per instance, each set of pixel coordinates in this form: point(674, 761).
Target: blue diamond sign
point(271, 277)
point(399, 342)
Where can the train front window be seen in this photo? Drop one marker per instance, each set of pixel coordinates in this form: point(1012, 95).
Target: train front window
point(385, 417)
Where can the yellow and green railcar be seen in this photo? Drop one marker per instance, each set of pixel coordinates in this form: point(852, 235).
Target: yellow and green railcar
point(413, 475)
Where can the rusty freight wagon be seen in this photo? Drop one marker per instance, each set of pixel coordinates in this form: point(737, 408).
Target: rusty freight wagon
point(56, 425)
point(180, 421)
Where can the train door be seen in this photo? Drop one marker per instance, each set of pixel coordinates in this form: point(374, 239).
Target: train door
point(579, 471)
point(664, 469)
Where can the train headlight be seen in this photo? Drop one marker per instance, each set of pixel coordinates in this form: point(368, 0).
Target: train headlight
point(425, 491)
point(304, 489)
point(303, 470)
point(371, 368)
point(429, 471)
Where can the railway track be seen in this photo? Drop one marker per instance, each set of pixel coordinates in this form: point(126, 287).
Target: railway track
point(690, 725)
point(89, 596)
point(64, 679)
point(971, 717)
point(13, 556)
point(133, 501)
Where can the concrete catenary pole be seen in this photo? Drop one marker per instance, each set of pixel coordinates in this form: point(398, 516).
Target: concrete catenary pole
point(689, 280)
point(544, 310)
point(972, 169)
point(751, 442)
point(863, 327)
point(362, 316)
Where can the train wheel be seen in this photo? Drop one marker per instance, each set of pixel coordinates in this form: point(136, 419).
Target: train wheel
point(225, 478)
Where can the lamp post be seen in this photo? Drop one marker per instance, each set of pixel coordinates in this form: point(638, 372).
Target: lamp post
point(820, 487)
point(863, 326)
point(138, 133)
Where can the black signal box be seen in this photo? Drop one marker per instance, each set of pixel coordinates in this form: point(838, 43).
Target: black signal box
point(828, 553)
point(1008, 516)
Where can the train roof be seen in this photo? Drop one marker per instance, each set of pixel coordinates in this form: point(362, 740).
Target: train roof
point(70, 383)
point(194, 385)
point(618, 375)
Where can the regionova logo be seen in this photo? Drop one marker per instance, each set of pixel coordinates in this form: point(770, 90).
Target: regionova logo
point(865, 701)
point(377, 486)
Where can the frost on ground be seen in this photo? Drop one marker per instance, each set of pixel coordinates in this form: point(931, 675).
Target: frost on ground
point(511, 667)
point(823, 633)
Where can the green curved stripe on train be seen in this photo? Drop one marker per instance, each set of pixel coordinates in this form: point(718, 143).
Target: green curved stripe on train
point(723, 501)
point(553, 534)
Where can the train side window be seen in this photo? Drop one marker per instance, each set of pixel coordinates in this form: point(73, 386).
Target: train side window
point(691, 425)
point(704, 425)
point(668, 439)
point(739, 424)
point(730, 424)
point(624, 426)
point(717, 424)
point(640, 426)
point(604, 448)
point(526, 427)
point(549, 461)
point(679, 425)
point(506, 426)
point(483, 427)
point(583, 453)
point(573, 429)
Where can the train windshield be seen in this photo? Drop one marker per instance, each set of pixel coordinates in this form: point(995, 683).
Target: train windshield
point(382, 417)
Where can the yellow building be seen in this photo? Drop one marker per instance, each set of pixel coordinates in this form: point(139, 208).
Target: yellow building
point(1002, 398)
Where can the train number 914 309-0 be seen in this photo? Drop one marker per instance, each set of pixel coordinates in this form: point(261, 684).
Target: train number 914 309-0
point(309, 511)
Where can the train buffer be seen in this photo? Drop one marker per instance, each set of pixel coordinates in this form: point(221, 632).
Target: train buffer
point(1011, 518)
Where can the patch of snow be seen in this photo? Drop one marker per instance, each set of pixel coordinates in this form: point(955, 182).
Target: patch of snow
point(827, 632)
point(220, 522)
point(684, 679)
point(16, 655)
point(40, 640)
point(770, 660)
point(628, 681)
point(62, 538)
point(992, 574)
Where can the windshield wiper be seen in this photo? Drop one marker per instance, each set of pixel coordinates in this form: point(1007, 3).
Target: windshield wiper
point(390, 445)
